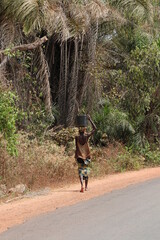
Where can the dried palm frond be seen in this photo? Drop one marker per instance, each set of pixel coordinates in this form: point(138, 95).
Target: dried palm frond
point(79, 19)
point(96, 9)
point(7, 32)
point(42, 77)
point(56, 22)
point(142, 9)
point(72, 87)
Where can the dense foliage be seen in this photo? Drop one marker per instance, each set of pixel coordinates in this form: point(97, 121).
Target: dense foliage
point(8, 118)
point(93, 51)
point(112, 124)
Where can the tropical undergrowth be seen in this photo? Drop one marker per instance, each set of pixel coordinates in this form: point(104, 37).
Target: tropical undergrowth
point(49, 163)
point(40, 156)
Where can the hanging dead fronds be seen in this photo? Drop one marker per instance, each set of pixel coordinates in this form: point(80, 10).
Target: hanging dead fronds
point(72, 86)
point(56, 22)
point(141, 9)
point(96, 10)
point(7, 33)
point(62, 90)
point(42, 77)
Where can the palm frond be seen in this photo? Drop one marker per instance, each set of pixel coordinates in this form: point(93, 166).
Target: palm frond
point(142, 9)
point(79, 19)
point(96, 9)
point(28, 12)
point(56, 22)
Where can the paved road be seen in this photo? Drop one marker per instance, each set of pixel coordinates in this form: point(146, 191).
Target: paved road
point(132, 213)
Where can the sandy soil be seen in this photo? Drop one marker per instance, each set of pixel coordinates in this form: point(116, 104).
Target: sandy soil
point(17, 212)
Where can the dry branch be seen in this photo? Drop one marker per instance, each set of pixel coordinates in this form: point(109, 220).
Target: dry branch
point(29, 46)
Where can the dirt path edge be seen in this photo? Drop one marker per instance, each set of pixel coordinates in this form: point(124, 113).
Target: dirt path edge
point(19, 211)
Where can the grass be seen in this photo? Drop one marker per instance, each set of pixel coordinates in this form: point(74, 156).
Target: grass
point(37, 165)
point(41, 164)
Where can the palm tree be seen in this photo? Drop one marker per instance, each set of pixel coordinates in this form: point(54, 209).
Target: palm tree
point(73, 28)
point(66, 23)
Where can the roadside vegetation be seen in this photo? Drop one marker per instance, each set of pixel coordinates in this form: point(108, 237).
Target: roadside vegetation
point(63, 58)
point(46, 163)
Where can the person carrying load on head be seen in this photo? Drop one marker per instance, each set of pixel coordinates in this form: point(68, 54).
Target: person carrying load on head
point(82, 153)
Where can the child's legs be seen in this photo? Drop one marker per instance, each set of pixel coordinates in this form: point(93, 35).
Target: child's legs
point(86, 181)
point(81, 179)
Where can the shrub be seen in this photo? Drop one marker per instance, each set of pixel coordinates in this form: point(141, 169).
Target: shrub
point(8, 118)
point(128, 162)
point(152, 158)
point(112, 122)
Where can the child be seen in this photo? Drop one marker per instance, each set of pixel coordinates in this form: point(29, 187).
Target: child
point(82, 153)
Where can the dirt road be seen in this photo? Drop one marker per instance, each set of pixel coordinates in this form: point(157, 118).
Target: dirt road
point(17, 212)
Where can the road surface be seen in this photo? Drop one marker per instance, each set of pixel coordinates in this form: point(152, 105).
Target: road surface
point(132, 213)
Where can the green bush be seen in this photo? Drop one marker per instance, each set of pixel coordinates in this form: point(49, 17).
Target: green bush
point(152, 158)
point(8, 117)
point(128, 162)
point(38, 121)
point(112, 122)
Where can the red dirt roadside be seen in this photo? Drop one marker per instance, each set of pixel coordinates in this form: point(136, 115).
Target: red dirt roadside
point(17, 212)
